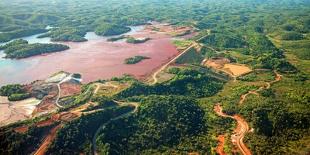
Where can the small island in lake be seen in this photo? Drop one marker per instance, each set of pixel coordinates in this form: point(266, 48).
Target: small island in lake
point(22, 49)
point(135, 59)
point(133, 40)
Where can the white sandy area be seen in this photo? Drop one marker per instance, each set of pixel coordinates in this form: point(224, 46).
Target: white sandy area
point(17, 111)
point(3, 99)
point(57, 78)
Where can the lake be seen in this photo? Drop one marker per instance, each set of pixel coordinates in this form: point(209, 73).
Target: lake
point(95, 59)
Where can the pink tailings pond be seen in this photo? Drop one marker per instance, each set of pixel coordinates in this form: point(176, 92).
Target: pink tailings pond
point(94, 59)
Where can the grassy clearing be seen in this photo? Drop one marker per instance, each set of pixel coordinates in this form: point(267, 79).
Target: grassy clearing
point(190, 57)
point(241, 58)
point(182, 44)
point(112, 87)
point(266, 76)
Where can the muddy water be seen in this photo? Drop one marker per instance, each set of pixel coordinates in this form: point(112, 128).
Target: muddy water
point(94, 59)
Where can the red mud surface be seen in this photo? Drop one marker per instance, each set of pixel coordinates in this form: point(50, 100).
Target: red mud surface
point(99, 59)
point(69, 89)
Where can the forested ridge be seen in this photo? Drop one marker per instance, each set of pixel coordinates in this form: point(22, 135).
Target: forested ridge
point(21, 49)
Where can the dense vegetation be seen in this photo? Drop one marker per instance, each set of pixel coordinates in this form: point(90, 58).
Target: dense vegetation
point(186, 82)
point(161, 122)
point(14, 43)
point(110, 30)
point(266, 34)
point(21, 49)
point(7, 36)
point(76, 136)
point(65, 34)
point(190, 57)
point(14, 92)
point(13, 143)
point(135, 59)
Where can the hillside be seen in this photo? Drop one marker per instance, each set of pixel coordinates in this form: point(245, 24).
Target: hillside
point(238, 84)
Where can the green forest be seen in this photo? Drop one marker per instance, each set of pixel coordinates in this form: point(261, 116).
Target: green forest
point(135, 59)
point(177, 116)
point(21, 49)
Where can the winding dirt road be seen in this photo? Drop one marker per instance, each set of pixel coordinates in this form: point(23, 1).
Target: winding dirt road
point(242, 126)
point(67, 78)
point(76, 112)
point(240, 131)
point(134, 104)
point(120, 103)
point(278, 78)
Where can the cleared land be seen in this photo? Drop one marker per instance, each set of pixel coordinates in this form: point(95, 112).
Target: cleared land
point(223, 64)
point(17, 111)
point(111, 88)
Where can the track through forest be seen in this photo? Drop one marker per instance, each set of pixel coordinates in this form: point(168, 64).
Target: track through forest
point(94, 145)
point(278, 77)
point(242, 126)
point(72, 113)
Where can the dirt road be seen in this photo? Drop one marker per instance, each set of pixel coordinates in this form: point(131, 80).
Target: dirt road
point(154, 75)
point(220, 146)
point(59, 89)
point(242, 126)
point(48, 139)
point(268, 85)
point(240, 131)
point(94, 148)
point(75, 112)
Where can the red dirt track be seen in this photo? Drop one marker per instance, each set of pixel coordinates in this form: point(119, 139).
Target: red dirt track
point(220, 146)
point(240, 131)
point(50, 137)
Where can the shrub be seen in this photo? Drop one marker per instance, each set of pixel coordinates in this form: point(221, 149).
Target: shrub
point(18, 97)
point(292, 36)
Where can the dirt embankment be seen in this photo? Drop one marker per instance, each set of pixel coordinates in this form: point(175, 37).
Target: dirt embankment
point(46, 142)
point(220, 146)
point(240, 131)
point(163, 67)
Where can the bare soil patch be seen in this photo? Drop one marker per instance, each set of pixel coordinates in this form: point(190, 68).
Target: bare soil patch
point(112, 87)
point(45, 123)
point(47, 104)
point(170, 29)
point(67, 116)
point(237, 69)
point(50, 137)
point(217, 63)
point(4, 99)
point(220, 146)
point(69, 89)
point(223, 64)
point(16, 111)
point(21, 129)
